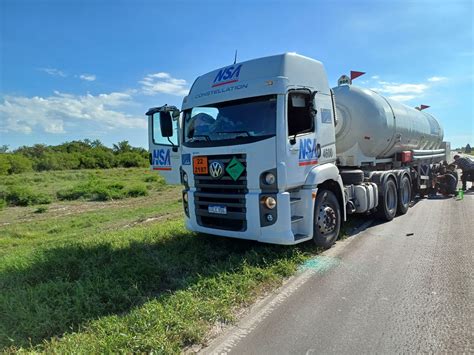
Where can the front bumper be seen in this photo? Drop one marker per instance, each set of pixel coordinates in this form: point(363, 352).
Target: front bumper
point(278, 233)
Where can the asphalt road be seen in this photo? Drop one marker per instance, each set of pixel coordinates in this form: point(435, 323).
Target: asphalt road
point(399, 287)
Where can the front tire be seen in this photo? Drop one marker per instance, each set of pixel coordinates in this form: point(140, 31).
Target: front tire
point(327, 219)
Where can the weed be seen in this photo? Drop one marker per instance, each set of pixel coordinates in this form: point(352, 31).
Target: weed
point(136, 191)
point(41, 209)
point(94, 190)
point(151, 178)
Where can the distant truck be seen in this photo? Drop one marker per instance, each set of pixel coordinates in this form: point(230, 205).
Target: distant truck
point(267, 151)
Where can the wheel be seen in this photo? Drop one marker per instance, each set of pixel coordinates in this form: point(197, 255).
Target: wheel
point(352, 177)
point(451, 183)
point(327, 219)
point(388, 201)
point(404, 195)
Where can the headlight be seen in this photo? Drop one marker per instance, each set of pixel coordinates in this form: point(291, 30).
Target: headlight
point(185, 197)
point(270, 202)
point(185, 178)
point(270, 179)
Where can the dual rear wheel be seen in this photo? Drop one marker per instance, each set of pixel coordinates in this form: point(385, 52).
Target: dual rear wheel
point(327, 211)
point(393, 200)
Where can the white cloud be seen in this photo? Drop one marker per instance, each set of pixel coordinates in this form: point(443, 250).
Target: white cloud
point(54, 72)
point(160, 75)
point(402, 98)
point(435, 79)
point(401, 92)
point(405, 91)
point(52, 114)
point(397, 88)
point(164, 83)
point(87, 77)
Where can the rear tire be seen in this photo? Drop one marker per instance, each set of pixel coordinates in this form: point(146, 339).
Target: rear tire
point(388, 201)
point(327, 219)
point(404, 195)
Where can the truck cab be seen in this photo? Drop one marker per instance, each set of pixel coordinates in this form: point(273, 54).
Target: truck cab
point(254, 147)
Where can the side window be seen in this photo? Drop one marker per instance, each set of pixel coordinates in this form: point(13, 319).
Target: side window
point(158, 137)
point(300, 119)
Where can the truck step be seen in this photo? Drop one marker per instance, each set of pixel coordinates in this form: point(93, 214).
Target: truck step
point(295, 219)
point(301, 236)
point(295, 199)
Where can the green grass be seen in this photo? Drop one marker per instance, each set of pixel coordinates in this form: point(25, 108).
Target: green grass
point(123, 275)
point(93, 185)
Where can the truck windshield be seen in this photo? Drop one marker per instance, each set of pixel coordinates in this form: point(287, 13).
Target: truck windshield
point(252, 119)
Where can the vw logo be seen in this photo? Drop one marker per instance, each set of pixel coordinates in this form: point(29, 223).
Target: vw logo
point(216, 169)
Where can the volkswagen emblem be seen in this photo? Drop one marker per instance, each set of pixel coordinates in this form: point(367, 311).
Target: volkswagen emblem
point(216, 169)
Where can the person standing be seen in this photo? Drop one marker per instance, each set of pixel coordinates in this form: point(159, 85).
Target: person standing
point(466, 164)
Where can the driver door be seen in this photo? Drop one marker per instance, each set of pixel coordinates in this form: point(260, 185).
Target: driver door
point(163, 139)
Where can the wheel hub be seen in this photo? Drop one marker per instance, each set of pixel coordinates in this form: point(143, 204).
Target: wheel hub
point(326, 219)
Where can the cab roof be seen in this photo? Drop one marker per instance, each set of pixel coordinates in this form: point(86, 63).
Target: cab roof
point(263, 76)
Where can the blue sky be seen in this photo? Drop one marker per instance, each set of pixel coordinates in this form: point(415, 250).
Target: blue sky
point(90, 69)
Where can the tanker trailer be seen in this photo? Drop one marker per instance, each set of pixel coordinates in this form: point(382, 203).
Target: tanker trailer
point(373, 129)
point(386, 143)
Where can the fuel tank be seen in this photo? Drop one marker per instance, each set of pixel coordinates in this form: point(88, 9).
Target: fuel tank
point(372, 127)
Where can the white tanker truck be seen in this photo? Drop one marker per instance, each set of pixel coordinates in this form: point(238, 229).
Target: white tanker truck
point(267, 151)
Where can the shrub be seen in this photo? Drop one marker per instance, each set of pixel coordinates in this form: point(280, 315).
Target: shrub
point(57, 161)
point(4, 164)
point(68, 160)
point(102, 193)
point(93, 190)
point(41, 209)
point(14, 164)
point(22, 196)
point(136, 191)
point(131, 160)
point(87, 162)
point(3, 203)
point(103, 159)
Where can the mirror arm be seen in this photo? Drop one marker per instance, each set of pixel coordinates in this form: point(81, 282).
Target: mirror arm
point(174, 148)
point(169, 140)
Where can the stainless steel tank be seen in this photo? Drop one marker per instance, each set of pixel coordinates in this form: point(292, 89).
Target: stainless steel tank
point(372, 127)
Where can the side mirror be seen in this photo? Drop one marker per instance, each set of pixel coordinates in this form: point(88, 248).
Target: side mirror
point(166, 124)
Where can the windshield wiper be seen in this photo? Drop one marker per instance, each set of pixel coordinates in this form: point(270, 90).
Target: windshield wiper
point(245, 132)
point(205, 136)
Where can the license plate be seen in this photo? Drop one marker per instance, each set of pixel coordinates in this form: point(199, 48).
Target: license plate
point(200, 165)
point(217, 209)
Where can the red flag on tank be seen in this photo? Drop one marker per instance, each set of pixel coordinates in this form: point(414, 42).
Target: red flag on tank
point(356, 74)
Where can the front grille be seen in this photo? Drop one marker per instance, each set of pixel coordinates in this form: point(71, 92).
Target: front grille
point(225, 192)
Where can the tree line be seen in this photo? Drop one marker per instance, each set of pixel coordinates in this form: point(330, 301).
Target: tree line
point(85, 154)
